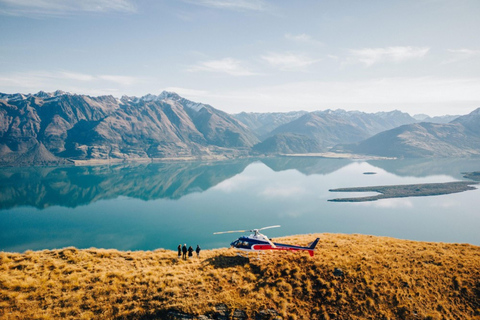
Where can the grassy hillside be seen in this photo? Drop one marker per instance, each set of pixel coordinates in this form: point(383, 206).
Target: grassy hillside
point(379, 278)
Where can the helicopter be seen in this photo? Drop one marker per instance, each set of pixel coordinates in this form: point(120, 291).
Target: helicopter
point(257, 242)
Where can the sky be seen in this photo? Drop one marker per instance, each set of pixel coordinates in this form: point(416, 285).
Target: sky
point(417, 56)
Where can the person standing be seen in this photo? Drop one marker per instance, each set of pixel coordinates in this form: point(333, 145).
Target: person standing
point(179, 248)
point(190, 252)
point(184, 251)
point(198, 251)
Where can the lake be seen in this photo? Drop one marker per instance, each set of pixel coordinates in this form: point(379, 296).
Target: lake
point(160, 205)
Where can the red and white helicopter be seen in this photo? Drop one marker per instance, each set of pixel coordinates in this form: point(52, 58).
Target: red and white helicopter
point(257, 242)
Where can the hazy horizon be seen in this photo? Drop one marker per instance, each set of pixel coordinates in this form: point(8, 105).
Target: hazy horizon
point(299, 110)
point(416, 56)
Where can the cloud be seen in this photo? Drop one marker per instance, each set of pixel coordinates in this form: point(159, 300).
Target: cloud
point(61, 7)
point(243, 5)
point(70, 76)
point(303, 38)
point(122, 80)
point(457, 55)
point(288, 61)
point(371, 56)
point(33, 81)
point(227, 65)
point(237, 183)
point(429, 95)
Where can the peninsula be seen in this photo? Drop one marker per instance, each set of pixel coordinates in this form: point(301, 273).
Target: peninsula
point(408, 190)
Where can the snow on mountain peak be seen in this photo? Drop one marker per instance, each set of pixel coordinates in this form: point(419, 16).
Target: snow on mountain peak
point(169, 95)
point(43, 94)
point(149, 97)
point(14, 97)
point(60, 93)
point(166, 96)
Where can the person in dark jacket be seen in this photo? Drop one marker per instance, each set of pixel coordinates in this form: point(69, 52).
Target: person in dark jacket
point(179, 248)
point(190, 252)
point(184, 250)
point(198, 251)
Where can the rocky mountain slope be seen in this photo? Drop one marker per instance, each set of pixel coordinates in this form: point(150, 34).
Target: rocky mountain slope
point(48, 128)
point(459, 138)
point(288, 143)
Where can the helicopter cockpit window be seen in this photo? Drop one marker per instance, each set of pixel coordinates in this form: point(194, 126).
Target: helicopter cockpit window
point(245, 244)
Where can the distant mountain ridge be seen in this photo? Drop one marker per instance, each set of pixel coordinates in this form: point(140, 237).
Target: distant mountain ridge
point(459, 138)
point(263, 123)
point(319, 131)
point(436, 119)
point(62, 128)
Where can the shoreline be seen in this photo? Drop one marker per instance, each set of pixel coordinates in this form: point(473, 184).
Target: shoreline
point(334, 155)
point(326, 155)
point(220, 157)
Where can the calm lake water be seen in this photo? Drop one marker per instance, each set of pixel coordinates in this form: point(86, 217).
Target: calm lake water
point(160, 205)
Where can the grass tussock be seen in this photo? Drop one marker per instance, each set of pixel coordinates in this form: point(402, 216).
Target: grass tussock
point(378, 278)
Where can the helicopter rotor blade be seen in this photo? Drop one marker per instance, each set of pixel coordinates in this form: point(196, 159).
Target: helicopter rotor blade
point(253, 230)
point(232, 231)
point(277, 226)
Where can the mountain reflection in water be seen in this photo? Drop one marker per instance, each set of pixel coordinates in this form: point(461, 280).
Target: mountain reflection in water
point(42, 187)
point(74, 186)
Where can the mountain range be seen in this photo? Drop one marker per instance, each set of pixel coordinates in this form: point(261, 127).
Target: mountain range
point(320, 130)
point(458, 138)
point(62, 128)
point(47, 128)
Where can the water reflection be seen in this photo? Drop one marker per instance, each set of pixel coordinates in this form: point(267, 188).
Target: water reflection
point(74, 186)
point(306, 165)
point(428, 167)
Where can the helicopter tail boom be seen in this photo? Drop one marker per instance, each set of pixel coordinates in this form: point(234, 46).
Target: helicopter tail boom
point(281, 246)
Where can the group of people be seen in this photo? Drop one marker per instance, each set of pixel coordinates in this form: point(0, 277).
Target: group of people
point(182, 251)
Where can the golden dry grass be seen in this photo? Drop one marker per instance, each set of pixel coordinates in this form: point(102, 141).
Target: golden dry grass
point(383, 278)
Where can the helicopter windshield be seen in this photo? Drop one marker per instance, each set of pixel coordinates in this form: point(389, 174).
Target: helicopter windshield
point(241, 244)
